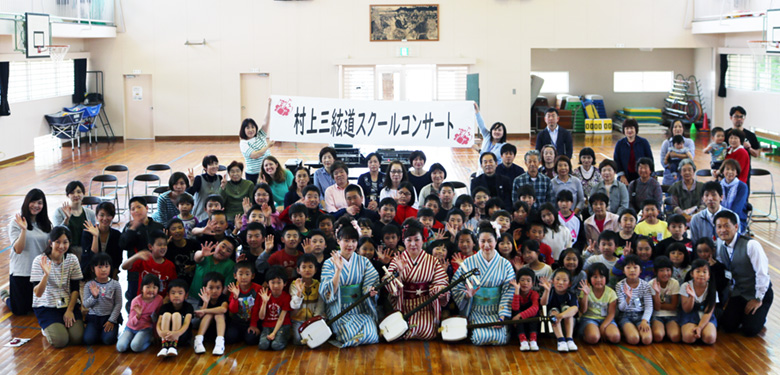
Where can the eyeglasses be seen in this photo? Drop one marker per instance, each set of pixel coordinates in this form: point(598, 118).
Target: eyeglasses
point(393, 171)
point(738, 117)
point(404, 193)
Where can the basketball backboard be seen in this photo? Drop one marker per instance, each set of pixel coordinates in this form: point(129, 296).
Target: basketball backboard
point(772, 30)
point(37, 32)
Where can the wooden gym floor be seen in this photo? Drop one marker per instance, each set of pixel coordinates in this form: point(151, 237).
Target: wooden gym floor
point(52, 170)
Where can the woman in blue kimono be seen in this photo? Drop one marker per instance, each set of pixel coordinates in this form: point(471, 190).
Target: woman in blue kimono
point(491, 300)
point(345, 277)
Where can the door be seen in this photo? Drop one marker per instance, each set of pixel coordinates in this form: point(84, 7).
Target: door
point(139, 122)
point(255, 91)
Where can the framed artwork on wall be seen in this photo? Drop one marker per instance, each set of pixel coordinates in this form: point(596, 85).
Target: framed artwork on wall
point(393, 23)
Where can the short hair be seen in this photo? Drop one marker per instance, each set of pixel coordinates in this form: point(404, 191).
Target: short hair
point(597, 268)
point(564, 196)
point(432, 197)
point(645, 161)
point(717, 129)
point(289, 228)
point(352, 187)
point(598, 197)
point(215, 277)
point(448, 245)
point(338, 164)
point(565, 159)
point(218, 212)
point(214, 198)
point(501, 213)
point(678, 139)
point(235, 163)
point(736, 109)
point(315, 232)
point(676, 219)
point(494, 202)
point(71, 187)
point(508, 147)
point(376, 155)
point(587, 151)
point(678, 246)
point(324, 217)
point(448, 185)
point(712, 186)
point(245, 264)
point(526, 271)
point(232, 241)
point(731, 163)
point(425, 212)
point(307, 258)
point(328, 150)
point(662, 261)
point(627, 211)
point(551, 110)
point(245, 124)
point(107, 207)
point(632, 259)
point(185, 198)
point(520, 204)
point(737, 133)
point(487, 153)
point(178, 283)
point(531, 245)
point(608, 235)
point(388, 202)
point(412, 227)
point(729, 215)
point(151, 279)
point(348, 232)
point(309, 188)
point(437, 167)
point(137, 199)
point(526, 190)
point(608, 163)
point(650, 202)
point(479, 189)
point(630, 123)
point(391, 229)
point(456, 211)
point(256, 226)
point(209, 160)
point(100, 259)
point(563, 271)
point(687, 161)
point(417, 154)
point(298, 208)
point(532, 153)
point(276, 272)
point(173, 221)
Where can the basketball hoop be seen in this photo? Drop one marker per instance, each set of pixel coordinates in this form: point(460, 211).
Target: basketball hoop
point(56, 52)
point(758, 48)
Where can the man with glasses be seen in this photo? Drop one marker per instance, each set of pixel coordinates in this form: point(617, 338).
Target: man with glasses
point(737, 115)
point(498, 185)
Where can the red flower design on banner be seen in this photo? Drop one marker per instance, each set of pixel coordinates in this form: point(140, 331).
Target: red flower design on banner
point(463, 137)
point(283, 108)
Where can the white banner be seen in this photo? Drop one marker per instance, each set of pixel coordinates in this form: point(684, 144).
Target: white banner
point(382, 123)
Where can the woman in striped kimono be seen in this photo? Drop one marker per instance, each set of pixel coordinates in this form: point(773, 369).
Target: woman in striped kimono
point(492, 300)
point(345, 277)
point(422, 277)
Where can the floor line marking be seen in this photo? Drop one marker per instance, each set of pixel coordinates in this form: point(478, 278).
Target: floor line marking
point(220, 359)
point(656, 366)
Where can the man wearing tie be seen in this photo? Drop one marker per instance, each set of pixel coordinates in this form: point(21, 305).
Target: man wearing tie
point(554, 135)
point(747, 269)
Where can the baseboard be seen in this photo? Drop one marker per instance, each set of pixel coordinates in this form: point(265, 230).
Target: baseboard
point(518, 137)
point(180, 138)
point(118, 138)
point(23, 157)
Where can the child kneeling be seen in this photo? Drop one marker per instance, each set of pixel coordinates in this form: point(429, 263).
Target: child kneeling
point(137, 335)
point(599, 306)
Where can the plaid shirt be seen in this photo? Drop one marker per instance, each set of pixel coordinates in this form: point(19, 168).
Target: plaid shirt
point(542, 188)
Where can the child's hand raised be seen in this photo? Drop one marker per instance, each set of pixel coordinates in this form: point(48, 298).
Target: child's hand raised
point(627, 249)
point(298, 287)
point(265, 294)
point(517, 234)
point(207, 248)
point(269, 243)
point(138, 310)
point(94, 289)
point(585, 287)
point(689, 290)
point(450, 229)
point(144, 254)
point(628, 292)
point(458, 258)
point(517, 262)
point(440, 234)
point(383, 255)
point(545, 283)
point(204, 295)
point(266, 210)
point(515, 285)
point(233, 288)
point(307, 248)
point(656, 287)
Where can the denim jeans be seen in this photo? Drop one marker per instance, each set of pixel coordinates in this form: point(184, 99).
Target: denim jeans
point(95, 334)
point(279, 342)
point(137, 341)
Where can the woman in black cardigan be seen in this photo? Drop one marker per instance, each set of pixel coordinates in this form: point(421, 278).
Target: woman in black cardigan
point(629, 150)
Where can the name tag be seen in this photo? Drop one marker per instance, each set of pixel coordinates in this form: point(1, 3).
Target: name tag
point(62, 303)
point(728, 275)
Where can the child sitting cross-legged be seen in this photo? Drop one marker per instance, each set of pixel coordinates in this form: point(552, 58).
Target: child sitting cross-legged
point(275, 311)
point(563, 306)
point(174, 318)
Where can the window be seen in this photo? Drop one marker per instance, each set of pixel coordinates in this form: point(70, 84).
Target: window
point(554, 82)
point(753, 73)
point(412, 82)
point(33, 80)
point(642, 81)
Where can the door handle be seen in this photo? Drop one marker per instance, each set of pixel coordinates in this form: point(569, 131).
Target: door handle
point(243, 107)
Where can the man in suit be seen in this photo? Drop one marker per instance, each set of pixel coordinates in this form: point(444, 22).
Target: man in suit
point(554, 135)
point(498, 185)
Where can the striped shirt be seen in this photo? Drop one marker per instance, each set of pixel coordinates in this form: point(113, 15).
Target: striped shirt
point(108, 301)
point(543, 190)
point(641, 299)
point(248, 146)
point(58, 285)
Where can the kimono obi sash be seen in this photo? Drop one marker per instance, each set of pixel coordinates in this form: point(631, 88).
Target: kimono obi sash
point(415, 290)
point(350, 294)
point(488, 296)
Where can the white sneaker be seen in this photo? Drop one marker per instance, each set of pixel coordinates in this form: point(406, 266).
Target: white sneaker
point(172, 352)
point(219, 346)
point(524, 347)
point(571, 345)
point(163, 352)
point(562, 347)
point(197, 345)
point(534, 347)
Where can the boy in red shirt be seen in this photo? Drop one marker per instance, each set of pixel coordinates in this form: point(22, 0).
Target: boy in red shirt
point(244, 306)
point(288, 256)
point(525, 304)
point(153, 262)
point(275, 311)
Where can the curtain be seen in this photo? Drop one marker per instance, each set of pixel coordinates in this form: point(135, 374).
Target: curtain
point(80, 80)
point(724, 66)
point(5, 110)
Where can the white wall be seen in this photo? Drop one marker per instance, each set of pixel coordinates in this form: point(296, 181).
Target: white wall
point(26, 120)
point(591, 71)
point(197, 88)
